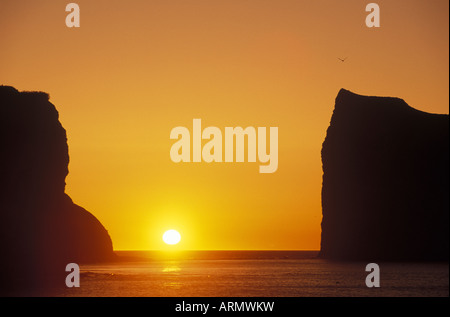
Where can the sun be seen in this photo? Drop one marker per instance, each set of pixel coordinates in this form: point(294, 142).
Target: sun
point(171, 237)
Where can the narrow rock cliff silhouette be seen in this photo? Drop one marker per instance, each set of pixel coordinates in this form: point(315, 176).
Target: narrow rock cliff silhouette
point(385, 193)
point(41, 229)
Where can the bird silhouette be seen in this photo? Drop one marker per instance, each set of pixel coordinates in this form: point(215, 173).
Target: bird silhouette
point(342, 60)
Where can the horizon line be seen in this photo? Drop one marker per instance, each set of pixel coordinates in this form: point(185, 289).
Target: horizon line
point(189, 250)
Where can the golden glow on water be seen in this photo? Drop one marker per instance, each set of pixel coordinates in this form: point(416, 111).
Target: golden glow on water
point(252, 273)
point(171, 267)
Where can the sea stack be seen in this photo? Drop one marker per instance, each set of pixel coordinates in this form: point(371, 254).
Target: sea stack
point(41, 229)
point(385, 193)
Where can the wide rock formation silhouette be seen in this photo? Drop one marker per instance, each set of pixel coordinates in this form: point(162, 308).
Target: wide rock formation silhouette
point(41, 229)
point(385, 193)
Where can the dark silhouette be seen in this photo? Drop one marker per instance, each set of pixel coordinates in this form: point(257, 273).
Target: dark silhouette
point(385, 192)
point(342, 59)
point(41, 229)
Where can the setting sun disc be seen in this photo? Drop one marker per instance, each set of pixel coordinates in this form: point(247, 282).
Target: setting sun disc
point(171, 237)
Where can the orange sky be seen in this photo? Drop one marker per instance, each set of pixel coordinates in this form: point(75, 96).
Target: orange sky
point(136, 69)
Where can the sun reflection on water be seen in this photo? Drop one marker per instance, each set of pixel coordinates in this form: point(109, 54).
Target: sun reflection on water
point(171, 269)
point(171, 272)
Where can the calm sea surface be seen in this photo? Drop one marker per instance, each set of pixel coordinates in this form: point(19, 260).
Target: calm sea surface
point(252, 274)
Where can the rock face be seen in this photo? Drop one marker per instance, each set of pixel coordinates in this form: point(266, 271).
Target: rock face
point(385, 193)
point(41, 229)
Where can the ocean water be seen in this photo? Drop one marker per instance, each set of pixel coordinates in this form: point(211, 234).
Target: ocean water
point(253, 274)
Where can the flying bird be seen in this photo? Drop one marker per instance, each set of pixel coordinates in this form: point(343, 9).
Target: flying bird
point(342, 60)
